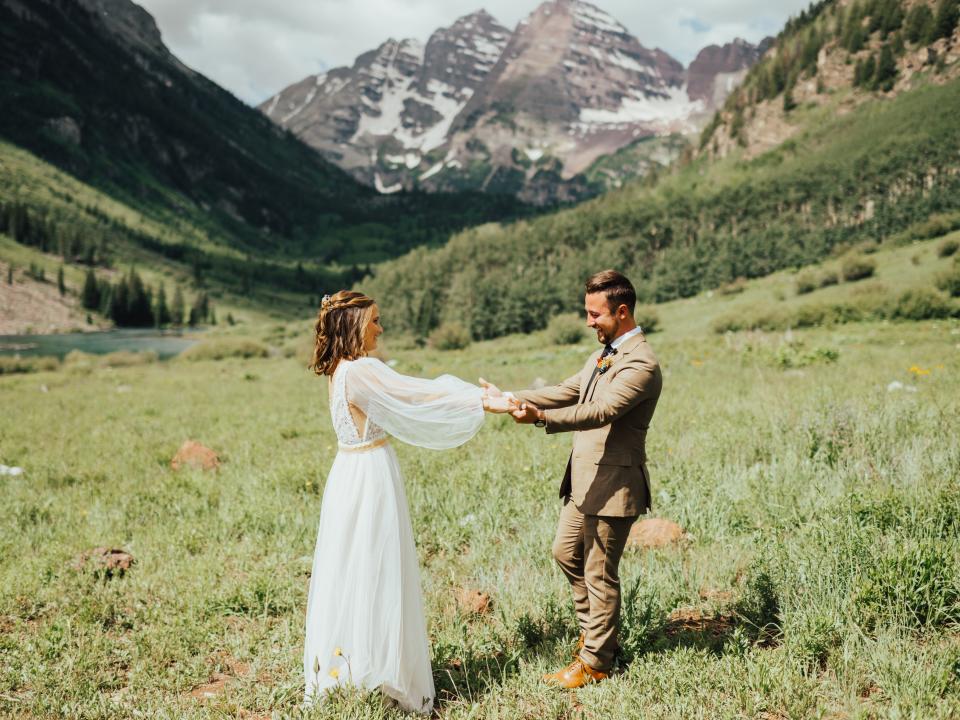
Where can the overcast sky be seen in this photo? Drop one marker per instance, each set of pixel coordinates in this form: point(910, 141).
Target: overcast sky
point(256, 47)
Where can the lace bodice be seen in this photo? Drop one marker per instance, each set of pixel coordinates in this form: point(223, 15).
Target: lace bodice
point(343, 424)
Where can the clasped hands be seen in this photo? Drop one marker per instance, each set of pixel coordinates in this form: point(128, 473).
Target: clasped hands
point(497, 401)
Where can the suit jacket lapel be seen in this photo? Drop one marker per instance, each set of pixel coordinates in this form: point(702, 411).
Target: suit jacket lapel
point(626, 348)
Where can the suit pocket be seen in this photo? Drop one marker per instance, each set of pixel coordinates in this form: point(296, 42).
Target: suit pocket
point(607, 457)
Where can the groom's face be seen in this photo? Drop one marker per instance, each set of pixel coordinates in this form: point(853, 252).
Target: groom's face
point(601, 317)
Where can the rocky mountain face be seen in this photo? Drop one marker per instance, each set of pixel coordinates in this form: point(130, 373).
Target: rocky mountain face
point(717, 71)
point(529, 112)
point(837, 55)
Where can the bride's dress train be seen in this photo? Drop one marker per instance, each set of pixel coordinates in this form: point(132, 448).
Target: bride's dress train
point(365, 619)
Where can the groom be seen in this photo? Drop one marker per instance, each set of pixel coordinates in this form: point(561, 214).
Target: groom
point(607, 406)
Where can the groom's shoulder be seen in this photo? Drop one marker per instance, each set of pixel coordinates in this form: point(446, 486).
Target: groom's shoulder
point(640, 351)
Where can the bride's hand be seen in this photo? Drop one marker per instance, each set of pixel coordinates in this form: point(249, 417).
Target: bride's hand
point(499, 404)
point(490, 389)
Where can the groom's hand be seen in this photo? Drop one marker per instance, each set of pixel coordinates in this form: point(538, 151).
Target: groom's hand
point(527, 414)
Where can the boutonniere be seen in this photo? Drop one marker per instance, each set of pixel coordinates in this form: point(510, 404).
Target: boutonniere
point(604, 363)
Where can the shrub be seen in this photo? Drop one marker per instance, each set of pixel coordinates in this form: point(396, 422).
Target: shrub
point(827, 278)
point(565, 330)
point(806, 282)
point(222, 348)
point(793, 355)
point(932, 227)
point(646, 316)
point(16, 364)
point(949, 281)
point(921, 304)
point(734, 287)
point(125, 358)
point(759, 604)
point(450, 336)
point(948, 247)
point(857, 267)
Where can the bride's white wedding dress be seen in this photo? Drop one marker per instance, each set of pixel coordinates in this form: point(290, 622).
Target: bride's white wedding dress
point(365, 619)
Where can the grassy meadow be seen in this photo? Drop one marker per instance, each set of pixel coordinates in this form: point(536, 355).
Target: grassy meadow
point(815, 472)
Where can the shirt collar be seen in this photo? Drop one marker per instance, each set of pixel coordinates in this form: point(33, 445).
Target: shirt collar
point(626, 336)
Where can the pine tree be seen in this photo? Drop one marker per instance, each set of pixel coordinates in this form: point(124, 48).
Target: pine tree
point(61, 286)
point(886, 72)
point(788, 101)
point(139, 305)
point(161, 313)
point(177, 307)
point(90, 296)
point(946, 20)
point(920, 25)
point(869, 72)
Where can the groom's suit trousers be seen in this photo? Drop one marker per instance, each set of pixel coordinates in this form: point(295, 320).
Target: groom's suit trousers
point(588, 550)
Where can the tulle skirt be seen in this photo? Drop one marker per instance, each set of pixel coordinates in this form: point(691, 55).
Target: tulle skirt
point(365, 619)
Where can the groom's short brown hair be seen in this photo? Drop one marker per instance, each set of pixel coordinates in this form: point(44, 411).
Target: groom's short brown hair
point(615, 286)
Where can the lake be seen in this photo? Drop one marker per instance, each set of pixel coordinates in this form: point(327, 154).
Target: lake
point(166, 344)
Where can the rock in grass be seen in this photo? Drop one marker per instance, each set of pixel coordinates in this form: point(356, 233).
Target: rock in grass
point(654, 533)
point(473, 602)
point(107, 561)
point(193, 454)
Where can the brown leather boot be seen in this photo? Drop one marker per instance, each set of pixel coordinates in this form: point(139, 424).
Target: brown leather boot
point(575, 675)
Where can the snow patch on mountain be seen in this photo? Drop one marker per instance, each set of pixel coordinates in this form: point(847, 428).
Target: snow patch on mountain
point(641, 108)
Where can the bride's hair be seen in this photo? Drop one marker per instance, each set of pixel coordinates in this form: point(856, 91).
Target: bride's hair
point(340, 325)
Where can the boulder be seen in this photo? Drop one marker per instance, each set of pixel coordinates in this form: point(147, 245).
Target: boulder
point(473, 602)
point(193, 454)
point(654, 533)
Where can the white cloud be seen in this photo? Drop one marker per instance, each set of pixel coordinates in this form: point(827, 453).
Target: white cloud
point(256, 47)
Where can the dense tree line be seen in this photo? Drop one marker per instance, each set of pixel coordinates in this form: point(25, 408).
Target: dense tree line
point(74, 242)
point(128, 302)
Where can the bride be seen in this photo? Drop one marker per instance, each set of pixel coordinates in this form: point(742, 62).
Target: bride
point(365, 619)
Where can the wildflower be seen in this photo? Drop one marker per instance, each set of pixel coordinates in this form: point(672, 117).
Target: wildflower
point(919, 371)
point(316, 665)
point(696, 363)
point(337, 652)
point(334, 673)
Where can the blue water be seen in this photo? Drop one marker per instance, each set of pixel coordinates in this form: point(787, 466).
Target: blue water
point(166, 344)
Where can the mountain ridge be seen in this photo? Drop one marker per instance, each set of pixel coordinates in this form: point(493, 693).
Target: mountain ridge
point(544, 102)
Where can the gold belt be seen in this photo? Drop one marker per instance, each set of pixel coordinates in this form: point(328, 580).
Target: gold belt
point(373, 445)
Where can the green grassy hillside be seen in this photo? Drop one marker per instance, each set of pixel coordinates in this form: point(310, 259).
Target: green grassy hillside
point(815, 474)
point(114, 109)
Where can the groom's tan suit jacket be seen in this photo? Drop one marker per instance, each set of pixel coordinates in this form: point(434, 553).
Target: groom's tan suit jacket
point(609, 414)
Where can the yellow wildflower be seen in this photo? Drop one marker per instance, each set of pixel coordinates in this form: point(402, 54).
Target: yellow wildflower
point(334, 673)
point(338, 652)
point(919, 371)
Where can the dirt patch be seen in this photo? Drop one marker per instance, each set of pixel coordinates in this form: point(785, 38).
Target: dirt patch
point(194, 455)
point(105, 561)
point(694, 620)
point(231, 669)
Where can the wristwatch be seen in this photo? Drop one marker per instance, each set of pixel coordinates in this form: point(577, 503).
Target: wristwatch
point(540, 423)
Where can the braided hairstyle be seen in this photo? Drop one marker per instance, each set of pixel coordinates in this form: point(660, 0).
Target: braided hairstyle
point(340, 325)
